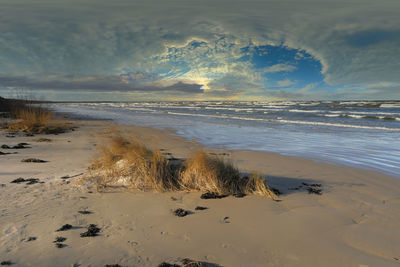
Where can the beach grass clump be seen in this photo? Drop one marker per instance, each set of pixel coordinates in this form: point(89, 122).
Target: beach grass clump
point(32, 118)
point(206, 173)
point(132, 164)
point(129, 163)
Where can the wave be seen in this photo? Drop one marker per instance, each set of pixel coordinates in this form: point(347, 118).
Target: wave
point(369, 117)
point(305, 111)
point(391, 105)
point(281, 120)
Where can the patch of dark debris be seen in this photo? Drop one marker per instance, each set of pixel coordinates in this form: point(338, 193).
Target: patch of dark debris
point(28, 181)
point(92, 230)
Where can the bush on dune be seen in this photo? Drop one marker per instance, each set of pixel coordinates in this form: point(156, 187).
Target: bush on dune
point(131, 164)
point(31, 119)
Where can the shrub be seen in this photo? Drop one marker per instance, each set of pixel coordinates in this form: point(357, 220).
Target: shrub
point(131, 164)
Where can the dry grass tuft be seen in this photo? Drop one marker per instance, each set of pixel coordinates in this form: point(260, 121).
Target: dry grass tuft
point(32, 119)
point(131, 164)
point(256, 185)
point(203, 172)
point(206, 173)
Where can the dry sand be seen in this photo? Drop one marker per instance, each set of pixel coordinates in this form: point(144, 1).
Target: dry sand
point(355, 222)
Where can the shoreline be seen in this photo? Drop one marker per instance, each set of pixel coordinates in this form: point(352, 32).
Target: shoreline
point(360, 149)
point(355, 221)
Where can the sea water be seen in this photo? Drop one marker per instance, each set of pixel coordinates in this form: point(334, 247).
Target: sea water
point(364, 134)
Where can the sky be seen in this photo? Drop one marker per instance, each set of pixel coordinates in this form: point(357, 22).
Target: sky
point(135, 50)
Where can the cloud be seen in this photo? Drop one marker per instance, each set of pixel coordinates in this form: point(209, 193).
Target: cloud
point(181, 46)
point(280, 67)
point(97, 83)
point(286, 83)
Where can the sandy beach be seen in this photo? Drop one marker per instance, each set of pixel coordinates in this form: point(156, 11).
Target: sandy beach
point(354, 222)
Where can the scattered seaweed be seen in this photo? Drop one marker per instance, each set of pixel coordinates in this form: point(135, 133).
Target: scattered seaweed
point(32, 181)
point(60, 245)
point(186, 262)
point(276, 191)
point(314, 191)
point(18, 146)
point(312, 185)
point(193, 263)
point(226, 220)
point(85, 212)
point(92, 230)
point(201, 208)
point(29, 181)
point(33, 160)
point(166, 264)
point(6, 263)
point(181, 212)
point(59, 239)
point(65, 227)
point(18, 180)
point(31, 238)
point(212, 195)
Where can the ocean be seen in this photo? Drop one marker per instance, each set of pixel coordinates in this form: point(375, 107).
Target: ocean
point(364, 134)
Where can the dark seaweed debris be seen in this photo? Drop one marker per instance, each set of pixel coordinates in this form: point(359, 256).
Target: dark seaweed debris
point(59, 239)
point(31, 238)
point(85, 212)
point(239, 195)
point(212, 195)
point(181, 212)
point(32, 181)
point(188, 263)
point(166, 264)
point(6, 263)
point(18, 180)
point(276, 191)
point(34, 160)
point(112, 265)
point(65, 227)
point(314, 191)
point(60, 245)
point(193, 263)
point(93, 230)
point(313, 185)
point(28, 180)
point(200, 208)
point(19, 146)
